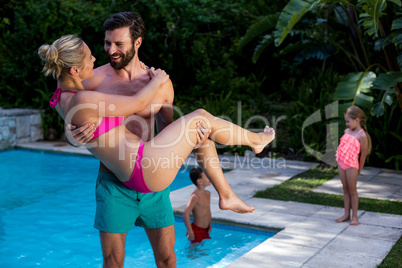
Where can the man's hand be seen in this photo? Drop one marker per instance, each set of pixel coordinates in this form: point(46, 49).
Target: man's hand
point(202, 134)
point(79, 136)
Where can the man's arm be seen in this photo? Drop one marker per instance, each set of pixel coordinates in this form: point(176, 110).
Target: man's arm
point(165, 115)
point(79, 136)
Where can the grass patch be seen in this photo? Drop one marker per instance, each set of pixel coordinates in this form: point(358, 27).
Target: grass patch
point(299, 189)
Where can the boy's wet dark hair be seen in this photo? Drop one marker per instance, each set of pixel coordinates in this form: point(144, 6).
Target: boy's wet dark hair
point(195, 174)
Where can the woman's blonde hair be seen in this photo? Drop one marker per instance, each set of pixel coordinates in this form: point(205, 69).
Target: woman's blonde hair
point(355, 112)
point(64, 53)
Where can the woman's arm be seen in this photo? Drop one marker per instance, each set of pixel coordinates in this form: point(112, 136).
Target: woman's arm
point(116, 105)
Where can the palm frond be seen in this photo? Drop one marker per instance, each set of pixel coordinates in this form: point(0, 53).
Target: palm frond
point(289, 17)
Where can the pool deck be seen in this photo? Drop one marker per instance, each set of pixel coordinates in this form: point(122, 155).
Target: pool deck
point(307, 234)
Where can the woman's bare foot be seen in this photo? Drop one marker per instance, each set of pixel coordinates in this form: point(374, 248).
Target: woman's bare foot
point(343, 218)
point(235, 204)
point(266, 137)
point(354, 221)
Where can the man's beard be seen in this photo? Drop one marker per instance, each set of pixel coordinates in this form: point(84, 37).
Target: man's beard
point(124, 59)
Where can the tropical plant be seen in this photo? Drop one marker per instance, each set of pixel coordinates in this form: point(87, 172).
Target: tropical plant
point(377, 19)
point(358, 30)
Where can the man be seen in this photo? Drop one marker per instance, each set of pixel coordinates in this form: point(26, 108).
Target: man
point(119, 207)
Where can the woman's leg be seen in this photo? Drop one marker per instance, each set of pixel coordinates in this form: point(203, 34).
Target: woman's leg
point(164, 155)
point(207, 158)
point(346, 196)
point(351, 176)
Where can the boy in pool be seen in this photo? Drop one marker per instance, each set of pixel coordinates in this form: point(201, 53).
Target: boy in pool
point(199, 205)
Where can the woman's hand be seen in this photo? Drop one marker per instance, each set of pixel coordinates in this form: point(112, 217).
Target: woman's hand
point(202, 134)
point(158, 75)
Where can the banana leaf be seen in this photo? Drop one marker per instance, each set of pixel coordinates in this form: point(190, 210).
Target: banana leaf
point(396, 24)
point(383, 42)
point(353, 90)
point(371, 19)
point(266, 41)
point(398, 40)
point(386, 82)
point(379, 107)
point(396, 2)
point(257, 29)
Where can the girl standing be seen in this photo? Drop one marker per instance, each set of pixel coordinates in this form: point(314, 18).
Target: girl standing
point(351, 154)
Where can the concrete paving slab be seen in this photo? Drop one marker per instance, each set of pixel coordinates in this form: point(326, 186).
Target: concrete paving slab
point(381, 219)
point(376, 190)
point(319, 240)
point(370, 171)
point(268, 204)
point(397, 196)
point(391, 174)
point(277, 253)
point(302, 209)
point(332, 213)
point(256, 260)
point(395, 181)
point(377, 232)
point(277, 220)
point(312, 226)
point(372, 188)
point(334, 259)
point(366, 247)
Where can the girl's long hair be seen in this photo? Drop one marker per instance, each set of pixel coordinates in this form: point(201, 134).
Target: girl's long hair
point(354, 112)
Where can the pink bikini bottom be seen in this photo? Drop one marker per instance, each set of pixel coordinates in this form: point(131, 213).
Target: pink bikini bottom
point(344, 166)
point(136, 181)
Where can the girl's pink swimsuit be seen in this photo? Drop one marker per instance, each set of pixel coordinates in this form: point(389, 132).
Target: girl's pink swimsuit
point(347, 154)
point(136, 181)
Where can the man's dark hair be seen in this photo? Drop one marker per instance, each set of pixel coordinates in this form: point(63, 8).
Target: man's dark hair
point(126, 19)
point(195, 174)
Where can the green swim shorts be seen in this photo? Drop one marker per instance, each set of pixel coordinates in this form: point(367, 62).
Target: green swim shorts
point(118, 208)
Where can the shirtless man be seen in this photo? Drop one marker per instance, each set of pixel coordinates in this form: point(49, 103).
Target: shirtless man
point(118, 208)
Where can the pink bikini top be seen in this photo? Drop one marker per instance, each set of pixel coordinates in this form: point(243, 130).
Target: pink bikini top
point(105, 125)
point(349, 148)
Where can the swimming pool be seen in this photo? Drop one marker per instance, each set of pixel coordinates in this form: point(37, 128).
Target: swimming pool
point(47, 205)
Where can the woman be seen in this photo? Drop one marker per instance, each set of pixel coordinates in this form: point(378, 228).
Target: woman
point(69, 60)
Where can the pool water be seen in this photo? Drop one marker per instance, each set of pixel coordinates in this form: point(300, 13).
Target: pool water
point(47, 206)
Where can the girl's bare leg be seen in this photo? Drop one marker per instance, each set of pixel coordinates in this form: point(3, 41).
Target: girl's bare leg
point(346, 196)
point(164, 155)
point(351, 176)
point(207, 158)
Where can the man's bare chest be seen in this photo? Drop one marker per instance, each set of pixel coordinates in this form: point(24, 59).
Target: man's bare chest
point(120, 87)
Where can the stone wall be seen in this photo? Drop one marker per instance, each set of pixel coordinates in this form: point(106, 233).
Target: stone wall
point(19, 126)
